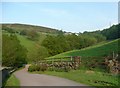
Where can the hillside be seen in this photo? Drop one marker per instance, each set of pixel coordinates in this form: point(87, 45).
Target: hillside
point(19, 27)
point(97, 50)
point(31, 46)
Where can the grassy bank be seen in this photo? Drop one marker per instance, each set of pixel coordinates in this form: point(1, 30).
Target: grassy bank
point(12, 81)
point(91, 78)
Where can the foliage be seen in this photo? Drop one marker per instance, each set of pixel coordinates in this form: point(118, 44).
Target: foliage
point(33, 68)
point(14, 55)
point(99, 37)
point(10, 30)
point(37, 67)
point(44, 67)
point(63, 69)
point(73, 41)
point(112, 33)
point(23, 32)
point(56, 44)
point(32, 35)
point(62, 43)
point(39, 54)
point(86, 40)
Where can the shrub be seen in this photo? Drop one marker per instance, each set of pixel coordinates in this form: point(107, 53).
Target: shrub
point(31, 68)
point(61, 69)
point(41, 67)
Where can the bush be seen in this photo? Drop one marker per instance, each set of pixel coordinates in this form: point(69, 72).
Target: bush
point(41, 67)
point(62, 69)
point(32, 68)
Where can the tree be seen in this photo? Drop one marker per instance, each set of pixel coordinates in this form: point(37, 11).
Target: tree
point(56, 44)
point(32, 34)
point(10, 30)
point(86, 40)
point(14, 55)
point(23, 32)
point(73, 41)
point(50, 42)
point(112, 33)
point(39, 54)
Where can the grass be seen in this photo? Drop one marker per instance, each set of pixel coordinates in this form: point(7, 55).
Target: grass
point(30, 45)
point(12, 81)
point(93, 79)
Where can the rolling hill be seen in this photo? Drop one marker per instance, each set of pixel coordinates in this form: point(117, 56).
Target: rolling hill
point(20, 27)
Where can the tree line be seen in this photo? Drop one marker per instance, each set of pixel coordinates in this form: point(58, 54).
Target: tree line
point(110, 33)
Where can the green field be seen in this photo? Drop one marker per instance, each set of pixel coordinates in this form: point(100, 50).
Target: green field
point(97, 50)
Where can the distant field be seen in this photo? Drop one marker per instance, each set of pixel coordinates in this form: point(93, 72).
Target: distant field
point(97, 50)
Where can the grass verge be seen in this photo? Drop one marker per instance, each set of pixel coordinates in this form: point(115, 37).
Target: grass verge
point(12, 81)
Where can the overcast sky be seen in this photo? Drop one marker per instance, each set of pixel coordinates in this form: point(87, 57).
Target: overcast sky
point(71, 17)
